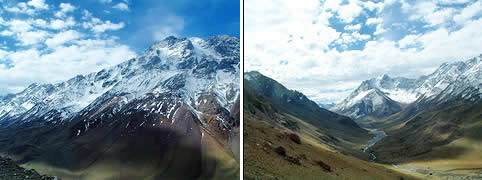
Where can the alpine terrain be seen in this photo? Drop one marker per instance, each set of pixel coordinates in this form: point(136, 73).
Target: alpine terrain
point(433, 123)
point(170, 113)
point(288, 136)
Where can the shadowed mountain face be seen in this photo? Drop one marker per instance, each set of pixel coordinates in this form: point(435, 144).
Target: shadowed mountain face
point(154, 116)
point(267, 96)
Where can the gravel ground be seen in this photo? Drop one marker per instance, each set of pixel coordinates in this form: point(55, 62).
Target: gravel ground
point(9, 170)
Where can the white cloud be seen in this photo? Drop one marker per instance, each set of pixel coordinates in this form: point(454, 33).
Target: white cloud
point(121, 6)
point(300, 34)
point(86, 15)
point(408, 41)
point(62, 24)
point(6, 33)
point(371, 21)
point(439, 17)
point(64, 8)
point(21, 7)
point(469, 12)
point(349, 12)
point(31, 7)
point(23, 32)
point(40, 23)
point(81, 57)
point(63, 37)
point(32, 37)
point(38, 4)
point(107, 26)
point(332, 5)
point(98, 26)
point(348, 38)
point(3, 53)
point(353, 27)
point(379, 29)
point(420, 9)
point(373, 6)
point(18, 25)
point(51, 40)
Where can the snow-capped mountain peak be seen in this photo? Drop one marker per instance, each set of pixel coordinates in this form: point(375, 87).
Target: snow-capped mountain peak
point(186, 66)
point(447, 78)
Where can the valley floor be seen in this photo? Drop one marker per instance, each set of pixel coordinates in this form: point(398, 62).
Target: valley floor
point(461, 159)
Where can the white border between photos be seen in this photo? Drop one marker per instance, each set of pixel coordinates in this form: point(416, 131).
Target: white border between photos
point(241, 85)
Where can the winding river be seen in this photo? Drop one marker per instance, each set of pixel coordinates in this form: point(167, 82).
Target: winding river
point(379, 135)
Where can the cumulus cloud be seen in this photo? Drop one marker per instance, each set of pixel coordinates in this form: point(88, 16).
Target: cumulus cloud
point(22, 31)
point(349, 11)
point(97, 25)
point(348, 38)
point(32, 37)
point(82, 57)
point(63, 37)
point(408, 41)
point(30, 7)
point(107, 26)
point(469, 12)
point(374, 6)
point(371, 21)
point(64, 8)
point(297, 45)
point(439, 17)
point(353, 27)
point(121, 6)
point(38, 4)
point(379, 29)
point(37, 46)
point(61, 24)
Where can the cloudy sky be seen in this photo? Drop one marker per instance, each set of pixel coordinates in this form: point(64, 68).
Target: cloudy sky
point(48, 41)
point(325, 49)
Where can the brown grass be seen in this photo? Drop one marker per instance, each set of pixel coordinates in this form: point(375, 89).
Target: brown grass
point(262, 162)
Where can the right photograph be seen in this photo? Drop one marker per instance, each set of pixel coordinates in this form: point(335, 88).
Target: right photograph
point(356, 89)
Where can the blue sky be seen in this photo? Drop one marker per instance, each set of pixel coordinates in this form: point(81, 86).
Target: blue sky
point(48, 41)
point(326, 48)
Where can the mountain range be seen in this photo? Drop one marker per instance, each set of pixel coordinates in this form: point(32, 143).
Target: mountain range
point(384, 96)
point(173, 109)
point(433, 122)
point(288, 136)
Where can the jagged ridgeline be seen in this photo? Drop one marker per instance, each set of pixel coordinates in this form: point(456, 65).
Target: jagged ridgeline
point(288, 136)
point(434, 121)
point(384, 96)
point(296, 104)
point(172, 112)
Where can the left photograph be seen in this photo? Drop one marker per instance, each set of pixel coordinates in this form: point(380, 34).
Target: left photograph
point(119, 89)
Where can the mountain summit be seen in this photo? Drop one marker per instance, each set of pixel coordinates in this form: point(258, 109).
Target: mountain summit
point(383, 96)
point(178, 94)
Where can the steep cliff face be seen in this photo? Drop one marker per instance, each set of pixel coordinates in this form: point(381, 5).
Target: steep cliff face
point(154, 110)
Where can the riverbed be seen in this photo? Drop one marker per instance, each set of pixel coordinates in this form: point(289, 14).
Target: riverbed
point(379, 135)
